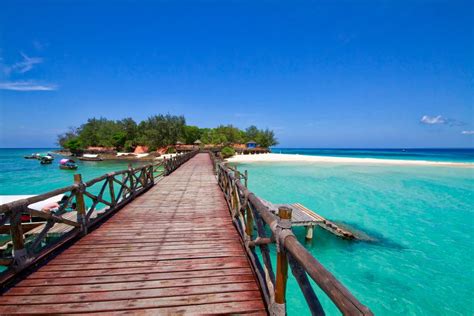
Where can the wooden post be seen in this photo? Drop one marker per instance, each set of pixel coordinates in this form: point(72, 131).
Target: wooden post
point(249, 221)
point(282, 262)
point(112, 190)
point(165, 167)
point(143, 178)
point(246, 174)
point(309, 232)
point(19, 252)
point(151, 178)
point(130, 176)
point(80, 205)
point(237, 174)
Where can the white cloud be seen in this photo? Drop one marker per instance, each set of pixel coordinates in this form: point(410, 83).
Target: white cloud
point(22, 66)
point(431, 120)
point(467, 132)
point(26, 86)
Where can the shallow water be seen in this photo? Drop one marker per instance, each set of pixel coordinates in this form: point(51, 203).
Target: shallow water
point(422, 218)
point(19, 176)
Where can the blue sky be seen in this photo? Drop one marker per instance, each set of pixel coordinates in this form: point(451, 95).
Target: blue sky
point(319, 73)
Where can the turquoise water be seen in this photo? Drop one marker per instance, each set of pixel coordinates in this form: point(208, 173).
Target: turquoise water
point(428, 154)
point(20, 176)
point(422, 219)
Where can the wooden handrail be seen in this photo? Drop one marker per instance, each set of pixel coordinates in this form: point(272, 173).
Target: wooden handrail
point(249, 211)
point(131, 183)
point(19, 204)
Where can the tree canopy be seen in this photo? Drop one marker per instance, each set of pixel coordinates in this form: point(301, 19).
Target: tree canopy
point(157, 131)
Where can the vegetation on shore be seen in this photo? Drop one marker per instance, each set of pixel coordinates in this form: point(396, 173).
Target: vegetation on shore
point(155, 132)
point(227, 152)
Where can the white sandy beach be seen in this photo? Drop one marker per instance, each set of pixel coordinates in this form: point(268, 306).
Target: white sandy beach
point(272, 157)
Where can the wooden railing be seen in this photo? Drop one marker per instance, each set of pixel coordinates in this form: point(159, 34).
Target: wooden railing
point(253, 220)
point(172, 164)
point(84, 204)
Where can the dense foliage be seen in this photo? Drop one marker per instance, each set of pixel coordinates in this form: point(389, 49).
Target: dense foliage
point(227, 152)
point(155, 132)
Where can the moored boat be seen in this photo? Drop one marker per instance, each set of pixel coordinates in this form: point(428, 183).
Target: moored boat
point(32, 156)
point(67, 164)
point(46, 159)
point(90, 157)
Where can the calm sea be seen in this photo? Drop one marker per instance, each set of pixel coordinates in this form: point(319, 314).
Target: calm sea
point(27, 176)
point(421, 218)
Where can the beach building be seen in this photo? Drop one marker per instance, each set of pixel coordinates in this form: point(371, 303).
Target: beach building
point(251, 144)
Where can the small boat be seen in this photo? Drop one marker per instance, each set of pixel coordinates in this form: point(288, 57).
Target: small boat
point(90, 157)
point(46, 160)
point(67, 164)
point(32, 156)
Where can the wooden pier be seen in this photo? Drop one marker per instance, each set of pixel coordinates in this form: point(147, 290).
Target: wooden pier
point(303, 216)
point(159, 254)
point(185, 245)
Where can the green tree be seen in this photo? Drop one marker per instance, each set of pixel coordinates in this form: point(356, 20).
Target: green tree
point(266, 138)
point(126, 135)
point(232, 134)
point(74, 145)
point(227, 152)
point(251, 133)
point(64, 138)
point(161, 130)
point(191, 134)
point(157, 131)
point(212, 136)
point(99, 132)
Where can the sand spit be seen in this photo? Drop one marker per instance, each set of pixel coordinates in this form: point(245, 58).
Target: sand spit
point(272, 157)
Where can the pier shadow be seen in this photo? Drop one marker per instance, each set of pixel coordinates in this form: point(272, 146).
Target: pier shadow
point(370, 236)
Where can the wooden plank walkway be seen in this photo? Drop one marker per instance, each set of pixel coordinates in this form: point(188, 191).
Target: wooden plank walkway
point(173, 250)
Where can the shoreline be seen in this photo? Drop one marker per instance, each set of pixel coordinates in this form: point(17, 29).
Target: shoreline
point(120, 156)
point(273, 157)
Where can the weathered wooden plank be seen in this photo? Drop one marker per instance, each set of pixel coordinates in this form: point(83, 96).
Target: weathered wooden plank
point(148, 250)
point(177, 245)
point(144, 253)
point(162, 264)
point(164, 234)
point(196, 274)
point(235, 308)
point(130, 303)
point(156, 241)
point(131, 285)
point(119, 294)
point(142, 258)
point(135, 270)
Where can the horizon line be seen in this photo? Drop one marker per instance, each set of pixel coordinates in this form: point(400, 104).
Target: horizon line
point(406, 148)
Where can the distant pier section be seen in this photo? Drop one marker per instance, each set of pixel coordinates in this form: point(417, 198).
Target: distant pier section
point(303, 216)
